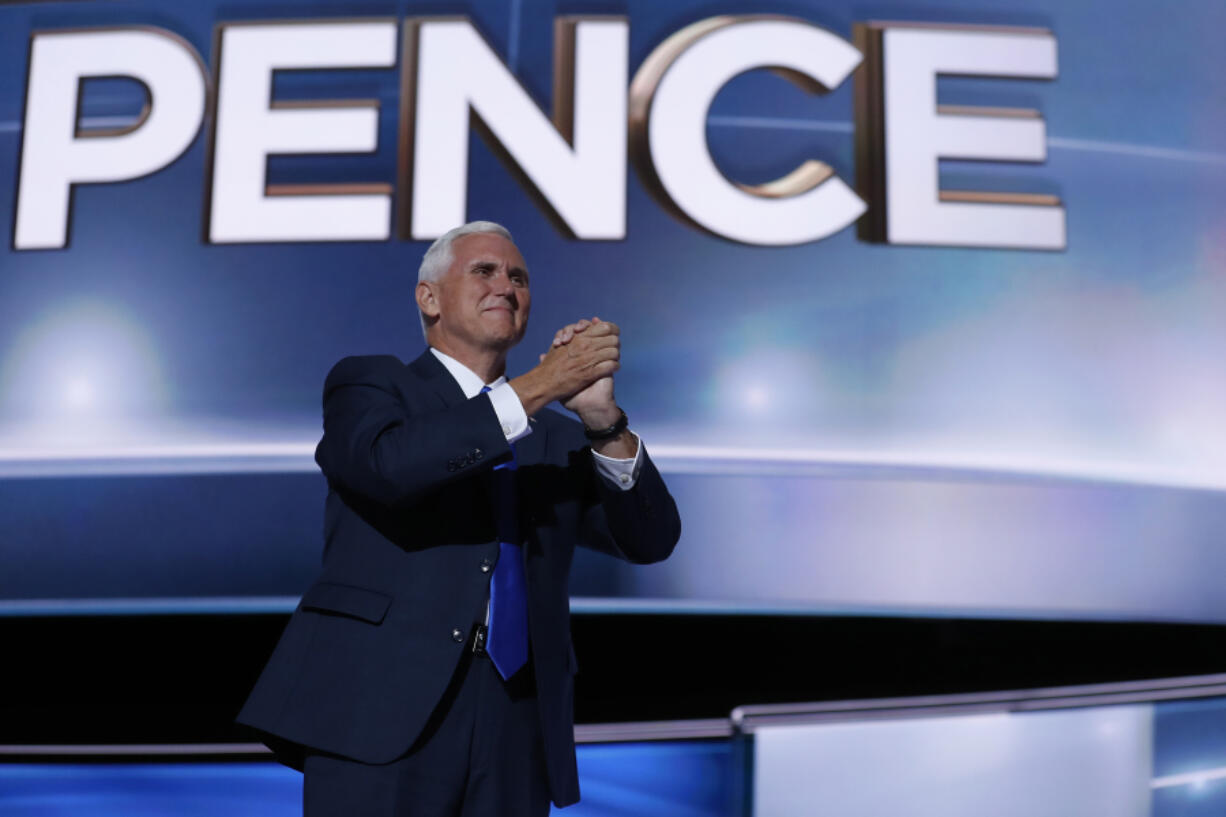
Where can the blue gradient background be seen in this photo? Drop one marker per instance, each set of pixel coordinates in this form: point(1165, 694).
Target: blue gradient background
point(846, 426)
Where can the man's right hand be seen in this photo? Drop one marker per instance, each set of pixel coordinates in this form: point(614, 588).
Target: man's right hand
point(566, 369)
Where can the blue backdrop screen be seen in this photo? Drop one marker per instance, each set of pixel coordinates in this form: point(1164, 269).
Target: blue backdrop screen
point(845, 424)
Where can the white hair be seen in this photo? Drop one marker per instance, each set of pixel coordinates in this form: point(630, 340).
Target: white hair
point(439, 257)
point(437, 260)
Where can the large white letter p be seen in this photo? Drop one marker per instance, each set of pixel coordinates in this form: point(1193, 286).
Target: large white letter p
point(55, 154)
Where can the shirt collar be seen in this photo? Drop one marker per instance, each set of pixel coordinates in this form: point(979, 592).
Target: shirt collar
point(470, 383)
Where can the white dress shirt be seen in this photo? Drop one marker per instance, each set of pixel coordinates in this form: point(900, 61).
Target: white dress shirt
point(621, 473)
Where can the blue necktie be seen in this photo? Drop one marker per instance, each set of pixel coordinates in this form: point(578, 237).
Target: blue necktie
point(508, 637)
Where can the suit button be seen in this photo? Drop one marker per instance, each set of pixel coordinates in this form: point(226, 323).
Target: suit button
point(487, 565)
point(457, 635)
point(478, 453)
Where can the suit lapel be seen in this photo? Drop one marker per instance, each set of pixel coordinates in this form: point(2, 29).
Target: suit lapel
point(437, 379)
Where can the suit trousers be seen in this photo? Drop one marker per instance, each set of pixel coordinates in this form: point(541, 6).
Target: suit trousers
point(480, 755)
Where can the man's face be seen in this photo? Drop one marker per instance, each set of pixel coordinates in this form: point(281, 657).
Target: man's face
point(483, 298)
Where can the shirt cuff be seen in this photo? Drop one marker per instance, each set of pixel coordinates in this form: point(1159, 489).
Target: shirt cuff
point(618, 472)
point(510, 411)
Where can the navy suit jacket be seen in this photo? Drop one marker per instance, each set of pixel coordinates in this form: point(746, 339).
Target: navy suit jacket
point(408, 527)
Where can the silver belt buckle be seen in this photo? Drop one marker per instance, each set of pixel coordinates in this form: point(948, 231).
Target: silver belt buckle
point(479, 639)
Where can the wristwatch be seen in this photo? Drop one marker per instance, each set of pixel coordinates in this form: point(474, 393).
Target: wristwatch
point(598, 434)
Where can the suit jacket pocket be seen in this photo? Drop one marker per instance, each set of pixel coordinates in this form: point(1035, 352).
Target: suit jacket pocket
point(347, 600)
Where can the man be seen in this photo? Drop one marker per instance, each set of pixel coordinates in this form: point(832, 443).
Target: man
point(428, 671)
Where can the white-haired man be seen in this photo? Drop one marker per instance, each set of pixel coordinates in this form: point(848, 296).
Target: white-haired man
point(429, 669)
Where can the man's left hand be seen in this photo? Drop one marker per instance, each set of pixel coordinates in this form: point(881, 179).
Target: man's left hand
point(595, 404)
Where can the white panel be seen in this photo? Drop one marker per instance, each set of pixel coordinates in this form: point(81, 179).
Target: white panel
point(1094, 762)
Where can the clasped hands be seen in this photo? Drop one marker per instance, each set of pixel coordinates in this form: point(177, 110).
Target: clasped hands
point(577, 371)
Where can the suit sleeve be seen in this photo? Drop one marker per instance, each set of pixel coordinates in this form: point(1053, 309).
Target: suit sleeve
point(640, 525)
point(375, 446)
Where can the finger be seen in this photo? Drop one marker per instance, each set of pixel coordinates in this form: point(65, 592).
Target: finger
point(584, 360)
point(601, 329)
point(601, 342)
point(604, 327)
point(578, 326)
point(565, 334)
point(603, 356)
point(542, 360)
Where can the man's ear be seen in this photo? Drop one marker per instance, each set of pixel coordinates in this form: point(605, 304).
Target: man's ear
point(427, 301)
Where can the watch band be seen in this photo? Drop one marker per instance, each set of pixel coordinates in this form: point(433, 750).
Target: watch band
point(598, 434)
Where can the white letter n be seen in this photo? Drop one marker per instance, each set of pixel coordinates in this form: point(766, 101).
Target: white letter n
point(577, 163)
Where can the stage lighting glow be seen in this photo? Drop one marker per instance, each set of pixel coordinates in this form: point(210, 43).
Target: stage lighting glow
point(1198, 780)
point(83, 373)
point(769, 383)
point(78, 393)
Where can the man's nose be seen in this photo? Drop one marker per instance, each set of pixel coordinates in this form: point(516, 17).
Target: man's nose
point(501, 283)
